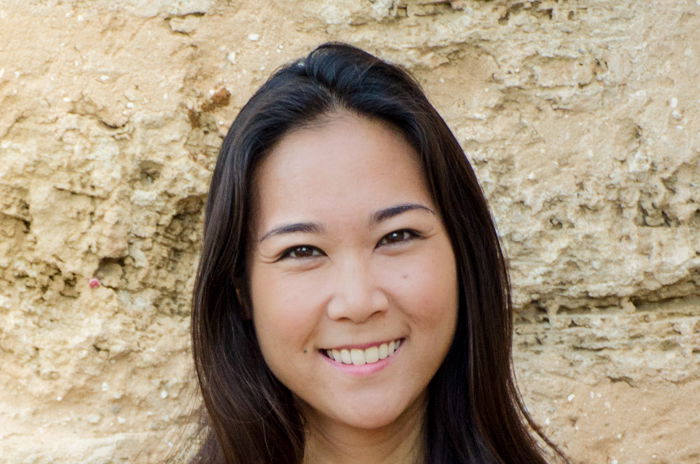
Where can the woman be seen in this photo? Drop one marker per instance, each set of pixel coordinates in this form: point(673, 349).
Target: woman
point(352, 301)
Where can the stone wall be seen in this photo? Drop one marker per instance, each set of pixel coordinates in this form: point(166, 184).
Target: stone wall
point(581, 118)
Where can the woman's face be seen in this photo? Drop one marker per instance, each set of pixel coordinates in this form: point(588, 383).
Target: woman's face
point(352, 276)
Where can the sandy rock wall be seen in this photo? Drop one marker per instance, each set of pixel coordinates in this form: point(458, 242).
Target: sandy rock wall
point(581, 118)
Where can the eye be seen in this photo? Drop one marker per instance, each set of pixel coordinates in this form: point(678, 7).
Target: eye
point(398, 236)
point(301, 252)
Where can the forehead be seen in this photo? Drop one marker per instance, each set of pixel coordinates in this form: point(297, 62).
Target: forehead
point(345, 164)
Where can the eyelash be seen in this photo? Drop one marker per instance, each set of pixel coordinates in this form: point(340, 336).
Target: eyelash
point(287, 254)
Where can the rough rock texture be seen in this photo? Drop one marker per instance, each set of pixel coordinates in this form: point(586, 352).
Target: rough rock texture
point(581, 118)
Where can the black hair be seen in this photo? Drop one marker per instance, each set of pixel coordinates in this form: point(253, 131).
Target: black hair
point(474, 412)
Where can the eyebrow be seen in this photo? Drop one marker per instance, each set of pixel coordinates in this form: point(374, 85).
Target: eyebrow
point(314, 227)
point(308, 227)
point(386, 213)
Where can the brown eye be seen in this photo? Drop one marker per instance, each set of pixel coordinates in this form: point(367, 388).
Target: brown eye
point(301, 252)
point(397, 236)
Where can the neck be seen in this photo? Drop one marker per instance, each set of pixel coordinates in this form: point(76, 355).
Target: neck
point(400, 442)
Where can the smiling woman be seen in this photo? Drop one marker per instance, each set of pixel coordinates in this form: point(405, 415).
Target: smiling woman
point(352, 302)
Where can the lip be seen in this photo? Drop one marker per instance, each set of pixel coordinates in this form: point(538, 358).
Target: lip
point(365, 369)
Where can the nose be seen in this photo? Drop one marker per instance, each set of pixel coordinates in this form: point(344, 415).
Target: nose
point(356, 295)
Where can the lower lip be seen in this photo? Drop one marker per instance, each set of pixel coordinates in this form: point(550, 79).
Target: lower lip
point(365, 369)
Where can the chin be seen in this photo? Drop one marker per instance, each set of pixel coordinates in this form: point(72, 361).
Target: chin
point(372, 417)
point(371, 420)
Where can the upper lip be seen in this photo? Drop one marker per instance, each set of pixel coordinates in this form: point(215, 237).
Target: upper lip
point(362, 346)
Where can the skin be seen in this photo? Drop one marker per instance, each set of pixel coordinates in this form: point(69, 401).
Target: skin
point(348, 279)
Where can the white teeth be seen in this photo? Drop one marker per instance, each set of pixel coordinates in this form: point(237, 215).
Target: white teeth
point(383, 351)
point(372, 354)
point(359, 357)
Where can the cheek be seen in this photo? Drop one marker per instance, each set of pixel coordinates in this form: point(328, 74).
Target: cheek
point(284, 313)
point(426, 288)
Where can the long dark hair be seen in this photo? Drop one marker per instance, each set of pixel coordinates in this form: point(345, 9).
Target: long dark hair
point(474, 413)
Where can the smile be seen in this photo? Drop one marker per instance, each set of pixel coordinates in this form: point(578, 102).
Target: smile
point(360, 357)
